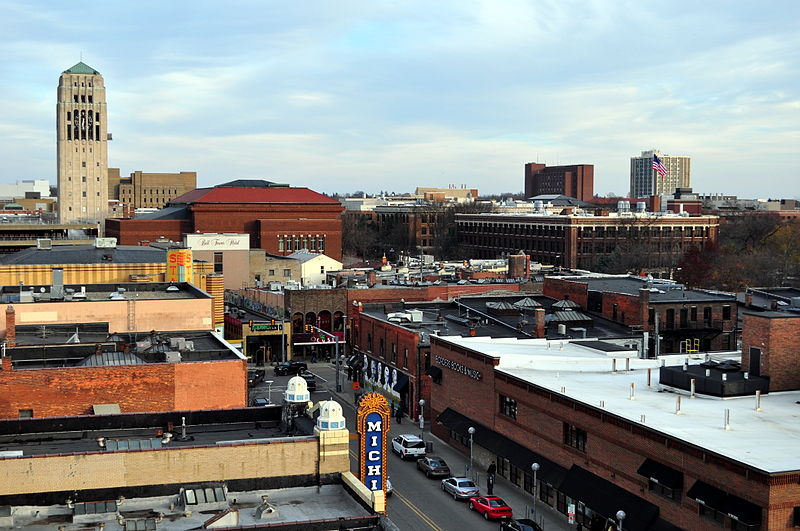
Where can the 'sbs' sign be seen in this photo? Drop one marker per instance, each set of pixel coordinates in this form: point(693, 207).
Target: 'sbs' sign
point(373, 425)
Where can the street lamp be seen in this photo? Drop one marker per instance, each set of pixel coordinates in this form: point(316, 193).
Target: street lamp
point(535, 468)
point(620, 517)
point(269, 392)
point(471, 432)
point(421, 419)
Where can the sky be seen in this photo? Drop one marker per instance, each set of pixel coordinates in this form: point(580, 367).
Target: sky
point(380, 95)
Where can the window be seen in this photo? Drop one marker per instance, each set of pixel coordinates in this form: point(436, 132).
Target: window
point(394, 354)
point(663, 490)
point(726, 312)
point(405, 357)
point(84, 194)
point(26, 413)
point(707, 314)
point(140, 524)
point(217, 262)
point(287, 273)
point(508, 406)
point(575, 437)
point(83, 164)
point(272, 272)
point(382, 351)
point(322, 270)
point(693, 313)
point(712, 514)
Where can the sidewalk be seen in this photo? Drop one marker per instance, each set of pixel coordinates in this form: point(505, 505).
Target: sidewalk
point(516, 497)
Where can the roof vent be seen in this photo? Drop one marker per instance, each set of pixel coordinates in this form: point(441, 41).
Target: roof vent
point(173, 288)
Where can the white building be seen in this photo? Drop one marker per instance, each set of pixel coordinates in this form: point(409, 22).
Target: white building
point(20, 188)
point(645, 181)
point(314, 266)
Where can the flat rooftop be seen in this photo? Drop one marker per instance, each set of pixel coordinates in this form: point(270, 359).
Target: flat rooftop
point(102, 292)
point(90, 345)
point(765, 440)
point(293, 505)
point(86, 254)
point(660, 290)
point(66, 435)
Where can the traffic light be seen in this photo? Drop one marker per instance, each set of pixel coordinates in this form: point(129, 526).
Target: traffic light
point(250, 323)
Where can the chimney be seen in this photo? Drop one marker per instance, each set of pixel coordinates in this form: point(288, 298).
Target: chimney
point(644, 308)
point(372, 278)
point(748, 299)
point(538, 323)
point(11, 326)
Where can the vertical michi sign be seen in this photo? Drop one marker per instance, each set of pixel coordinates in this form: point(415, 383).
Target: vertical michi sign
point(373, 425)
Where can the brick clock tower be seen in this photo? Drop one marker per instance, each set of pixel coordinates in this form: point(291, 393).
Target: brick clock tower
point(82, 142)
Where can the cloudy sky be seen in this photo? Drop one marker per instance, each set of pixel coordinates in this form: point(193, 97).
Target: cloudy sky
point(389, 95)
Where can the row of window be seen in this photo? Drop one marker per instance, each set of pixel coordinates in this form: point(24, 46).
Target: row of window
point(297, 242)
point(83, 99)
point(382, 351)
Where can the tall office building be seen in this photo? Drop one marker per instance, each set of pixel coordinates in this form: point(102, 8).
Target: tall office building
point(645, 181)
point(82, 142)
point(575, 181)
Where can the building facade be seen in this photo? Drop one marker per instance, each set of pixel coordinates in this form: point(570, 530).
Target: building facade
point(149, 190)
point(578, 241)
point(82, 145)
point(574, 181)
point(645, 181)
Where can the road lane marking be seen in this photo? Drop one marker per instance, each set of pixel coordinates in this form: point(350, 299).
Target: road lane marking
point(418, 512)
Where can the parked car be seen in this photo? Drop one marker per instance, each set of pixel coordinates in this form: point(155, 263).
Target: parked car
point(408, 445)
point(433, 466)
point(389, 487)
point(310, 379)
point(490, 507)
point(522, 524)
point(255, 377)
point(290, 367)
point(260, 402)
point(460, 488)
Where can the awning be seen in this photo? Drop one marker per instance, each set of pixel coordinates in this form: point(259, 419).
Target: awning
point(435, 373)
point(661, 474)
point(742, 510)
point(606, 498)
point(520, 456)
point(402, 383)
point(708, 495)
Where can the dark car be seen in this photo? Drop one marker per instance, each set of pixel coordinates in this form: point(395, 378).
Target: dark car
point(433, 466)
point(290, 367)
point(255, 377)
point(260, 402)
point(311, 380)
point(522, 524)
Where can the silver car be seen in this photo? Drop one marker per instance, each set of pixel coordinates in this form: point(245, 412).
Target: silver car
point(460, 488)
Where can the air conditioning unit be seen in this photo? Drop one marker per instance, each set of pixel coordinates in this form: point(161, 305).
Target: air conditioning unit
point(44, 244)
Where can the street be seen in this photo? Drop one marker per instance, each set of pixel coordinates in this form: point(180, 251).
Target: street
point(418, 503)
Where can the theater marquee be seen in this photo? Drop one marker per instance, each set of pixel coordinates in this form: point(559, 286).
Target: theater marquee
point(373, 426)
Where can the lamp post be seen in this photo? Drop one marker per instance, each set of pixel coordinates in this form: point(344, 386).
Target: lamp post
point(269, 391)
point(620, 517)
point(421, 419)
point(535, 469)
point(471, 432)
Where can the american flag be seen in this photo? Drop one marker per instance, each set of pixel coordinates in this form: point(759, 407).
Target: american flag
point(658, 166)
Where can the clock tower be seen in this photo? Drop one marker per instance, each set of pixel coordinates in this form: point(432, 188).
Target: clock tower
point(82, 143)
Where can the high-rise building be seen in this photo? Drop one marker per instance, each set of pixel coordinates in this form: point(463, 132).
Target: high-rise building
point(82, 142)
point(645, 181)
point(575, 181)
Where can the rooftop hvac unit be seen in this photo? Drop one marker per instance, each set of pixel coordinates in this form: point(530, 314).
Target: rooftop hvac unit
point(44, 244)
point(105, 243)
point(415, 316)
point(562, 329)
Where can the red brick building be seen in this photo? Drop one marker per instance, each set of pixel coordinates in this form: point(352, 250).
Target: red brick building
point(130, 371)
point(575, 181)
point(706, 319)
point(279, 219)
point(609, 439)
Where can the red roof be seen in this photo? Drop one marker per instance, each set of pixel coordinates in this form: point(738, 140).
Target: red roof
point(253, 195)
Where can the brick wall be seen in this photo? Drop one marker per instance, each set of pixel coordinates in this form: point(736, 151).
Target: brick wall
point(615, 449)
point(149, 387)
point(559, 289)
point(778, 340)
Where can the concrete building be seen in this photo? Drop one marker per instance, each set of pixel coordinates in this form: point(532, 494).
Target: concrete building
point(278, 218)
point(580, 240)
point(228, 253)
point(82, 145)
point(71, 370)
point(32, 188)
point(266, 269)
point(314, 267)
point(246, 468)
point(19, 231)
point(574, 181)
point(645, 181)
point(149, 190)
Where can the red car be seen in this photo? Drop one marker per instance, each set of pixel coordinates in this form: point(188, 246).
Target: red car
point(490, 507)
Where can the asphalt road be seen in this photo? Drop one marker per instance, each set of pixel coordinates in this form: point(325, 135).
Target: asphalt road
point(418, 503)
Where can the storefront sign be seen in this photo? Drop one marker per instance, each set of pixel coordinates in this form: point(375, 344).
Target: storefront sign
point(219, 242)
point(455, 366)
point(265, 327)
point(373, 427)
